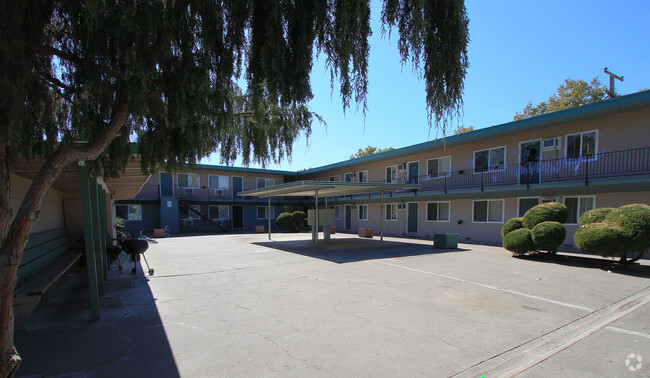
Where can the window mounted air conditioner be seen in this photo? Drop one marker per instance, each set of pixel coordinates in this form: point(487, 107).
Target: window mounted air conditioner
point(401, 206)
point(401, 167)
point(551, 143)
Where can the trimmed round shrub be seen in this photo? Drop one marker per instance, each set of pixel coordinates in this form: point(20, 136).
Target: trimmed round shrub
point(634, 220)
point(519, 241)
point(511, 225)
point(548, 235)
point(552, 211)
point(594, 216)
point(299, 218)
point(600, 238)
point(285, 220)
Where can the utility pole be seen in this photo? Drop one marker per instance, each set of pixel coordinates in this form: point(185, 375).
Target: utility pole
point(612, 92)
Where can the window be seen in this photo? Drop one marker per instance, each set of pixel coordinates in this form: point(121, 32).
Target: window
point(490, 211)
point(363, 212)
point(219, 182)
point(264, 182)
point(335, 178)
point(219, 212)
point(576, 206)
point(391, 174)
point(262, 212)
point(348, 176)
point(439, 167)
point(526, 204)
point(188, 180)
point(184, 213)
point(391, 211)
point(129, 212)
point(437, 211)
point(581, 144)
point(337, 211)
point(363, 176)
point(492, 158)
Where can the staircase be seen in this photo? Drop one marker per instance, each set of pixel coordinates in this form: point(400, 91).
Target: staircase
point(184, 204)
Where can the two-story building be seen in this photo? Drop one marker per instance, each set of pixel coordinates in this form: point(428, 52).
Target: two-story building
point(595, 155)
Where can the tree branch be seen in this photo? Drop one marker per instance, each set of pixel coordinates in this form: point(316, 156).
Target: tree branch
point(67, 56)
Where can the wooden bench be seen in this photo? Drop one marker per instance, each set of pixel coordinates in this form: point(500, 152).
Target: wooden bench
point(46, 258)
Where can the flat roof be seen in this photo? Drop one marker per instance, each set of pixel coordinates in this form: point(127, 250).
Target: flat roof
point(307, 188)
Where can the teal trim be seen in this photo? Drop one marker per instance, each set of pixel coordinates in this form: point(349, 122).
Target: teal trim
point(607, 107)
point(244, 169)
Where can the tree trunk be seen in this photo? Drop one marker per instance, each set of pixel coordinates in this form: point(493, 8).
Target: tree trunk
point(16, 238)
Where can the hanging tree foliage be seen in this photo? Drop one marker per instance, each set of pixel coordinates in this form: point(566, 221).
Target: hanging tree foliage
point(81, 79)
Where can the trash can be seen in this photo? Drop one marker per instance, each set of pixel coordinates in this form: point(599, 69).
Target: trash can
point(445, 240)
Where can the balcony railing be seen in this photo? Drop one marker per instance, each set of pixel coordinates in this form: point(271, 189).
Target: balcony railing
point(583, 168)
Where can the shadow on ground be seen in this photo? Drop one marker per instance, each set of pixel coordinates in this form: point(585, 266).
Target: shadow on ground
point(129, 340)
point(346, 250)
point(612, 266)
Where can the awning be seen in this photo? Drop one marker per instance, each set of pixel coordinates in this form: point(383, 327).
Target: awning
point(327, 189)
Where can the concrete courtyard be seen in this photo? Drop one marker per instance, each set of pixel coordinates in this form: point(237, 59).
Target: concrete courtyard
point(241, 305)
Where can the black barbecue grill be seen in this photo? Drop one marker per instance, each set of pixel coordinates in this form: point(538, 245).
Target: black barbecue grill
point(134, 248)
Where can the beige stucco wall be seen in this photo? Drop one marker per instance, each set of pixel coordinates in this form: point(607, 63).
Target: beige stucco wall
point(51, 213)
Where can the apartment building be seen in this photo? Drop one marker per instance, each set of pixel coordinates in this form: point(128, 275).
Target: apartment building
point(596, 155)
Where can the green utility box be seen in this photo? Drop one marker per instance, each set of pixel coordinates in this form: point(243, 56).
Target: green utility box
point(445, 240)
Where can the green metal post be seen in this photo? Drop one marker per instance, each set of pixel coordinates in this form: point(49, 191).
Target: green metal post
point(102, 229)
point(86, 205)
point(96, 234)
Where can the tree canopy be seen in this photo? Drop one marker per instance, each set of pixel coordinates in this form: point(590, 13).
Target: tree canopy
point(82, 79)
point(462, 129)
point(370, 150)
point(569, 95)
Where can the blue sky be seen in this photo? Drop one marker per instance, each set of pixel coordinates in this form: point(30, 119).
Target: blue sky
point(520, 51)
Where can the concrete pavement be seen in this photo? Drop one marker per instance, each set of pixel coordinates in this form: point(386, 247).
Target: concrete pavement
point(241, 305)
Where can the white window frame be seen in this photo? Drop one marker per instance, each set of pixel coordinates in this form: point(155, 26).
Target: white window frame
point(128, 211)
point(448, 172)
point(198, 180)
point(266, 182)
point(266, 214)
point(581, 133)
point(503, 208)
point(219, 182)
point(218, 208)
point(391, 212)
point(539, 200)
point(192, 215)
point(365, 173)
point(490, 167)
point(393, 170)
point(548, 199)
point(593, 197)
point(359, 212)
point(438, 206)
point(335, 177)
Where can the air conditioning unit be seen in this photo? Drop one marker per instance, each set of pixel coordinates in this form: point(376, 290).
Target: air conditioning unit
point(551, 143)
point(401, 206)
point(401, 167)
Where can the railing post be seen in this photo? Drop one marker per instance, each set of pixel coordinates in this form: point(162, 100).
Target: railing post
point(527, 175)
point(587, 170)
point(482, 174)
point(445, 183)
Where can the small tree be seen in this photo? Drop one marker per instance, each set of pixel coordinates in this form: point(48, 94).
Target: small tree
point(285, 220)
point(619, 232)
point(540, 229)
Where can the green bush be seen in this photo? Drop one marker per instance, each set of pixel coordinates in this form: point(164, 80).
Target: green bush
point(593, 216)
point(519, 241)
point(511, 225)
point(552, 211)
point(548, 235)
point(600, 239)
point(285, 220)
point(299, 218)
point(621, 232)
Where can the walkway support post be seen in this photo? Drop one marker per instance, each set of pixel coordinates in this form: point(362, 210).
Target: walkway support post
point(316, 196)
point(381, 219)
point(89, 240)
point(268, 211)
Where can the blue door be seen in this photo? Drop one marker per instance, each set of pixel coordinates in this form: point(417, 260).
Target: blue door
point(237, 186)
point(529, 157)
point(348, 217)
point(166, 185)
point(414, 170)
point(413, 218)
